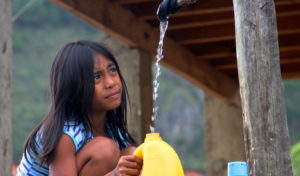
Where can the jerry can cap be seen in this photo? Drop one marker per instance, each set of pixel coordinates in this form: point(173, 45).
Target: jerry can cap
point(153, 137)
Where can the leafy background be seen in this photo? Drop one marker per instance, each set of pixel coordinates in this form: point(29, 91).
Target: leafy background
point(44, 28)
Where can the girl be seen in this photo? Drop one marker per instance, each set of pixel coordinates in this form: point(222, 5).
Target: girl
point(85, 131)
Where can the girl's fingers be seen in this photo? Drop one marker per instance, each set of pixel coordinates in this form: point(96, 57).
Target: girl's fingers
point(129, 171)
point(133, 158)
point(133, 165)
point(129, 164)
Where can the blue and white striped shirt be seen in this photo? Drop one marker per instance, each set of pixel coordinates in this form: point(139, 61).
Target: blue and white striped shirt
point(76, 131)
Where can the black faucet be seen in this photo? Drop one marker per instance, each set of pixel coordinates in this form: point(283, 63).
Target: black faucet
point(168, 7)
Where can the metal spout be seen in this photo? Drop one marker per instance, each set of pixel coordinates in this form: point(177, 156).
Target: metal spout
point(168, 7)
point(184, 2)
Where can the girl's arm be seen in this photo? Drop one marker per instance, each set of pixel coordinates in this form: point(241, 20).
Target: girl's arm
point(63, 161)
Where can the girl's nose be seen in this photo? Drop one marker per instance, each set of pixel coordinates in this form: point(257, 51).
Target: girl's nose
point(109, 82)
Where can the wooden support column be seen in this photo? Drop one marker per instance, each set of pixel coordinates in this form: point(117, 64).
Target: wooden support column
point(5, 88)
point(264, 115)
point(223, 135)
point(135, 66)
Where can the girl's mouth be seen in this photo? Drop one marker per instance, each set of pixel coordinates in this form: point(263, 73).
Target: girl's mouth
point(113, 95)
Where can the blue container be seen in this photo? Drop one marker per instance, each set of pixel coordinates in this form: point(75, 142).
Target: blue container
point(237, 168)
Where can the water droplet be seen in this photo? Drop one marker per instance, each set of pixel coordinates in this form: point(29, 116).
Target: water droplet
point(153, 118)
point(155, 96)
point(152, 129)
point(156, 87)
point(154, 110)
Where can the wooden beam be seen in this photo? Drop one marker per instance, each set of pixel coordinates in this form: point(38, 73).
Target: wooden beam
point(219, 22)
point(233, 54)
point(200, 24)
point(206, 40)
point(264, 115)
point(230, 37)
point(216, 56)
point(290, 61)
point(234, 66)
point(122, 24)
point(287, 14)
point(213, 10)
point(290, 76)
point(190, 13)
point(289, 48)
point(286, 2)
point(289, 31)
point(227, 66)
point(121, 2)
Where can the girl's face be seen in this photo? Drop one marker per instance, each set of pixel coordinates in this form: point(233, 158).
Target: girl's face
point(108, 86)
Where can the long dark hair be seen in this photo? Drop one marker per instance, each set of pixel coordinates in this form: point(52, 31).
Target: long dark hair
point(72, 88)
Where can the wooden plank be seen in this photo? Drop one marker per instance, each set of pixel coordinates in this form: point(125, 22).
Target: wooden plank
point(289, 48)
point(149, 9)
point(198, 11)
point(6, 90)
point(290, 61)
point(289, 31)
point(207, 40)
point(194, 12)
point(120, 2)
point(230, 37)
point(264, 114)
point(122, 24)
point(232, 54)
point(290, 76)
point(287, 14)
point(200, 24)
point(234, 66)
point(208, 34)
point(216, 56)
point(227, 66)
point(219, 22)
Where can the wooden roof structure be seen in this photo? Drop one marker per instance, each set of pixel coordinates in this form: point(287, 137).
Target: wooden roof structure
point(200, 40)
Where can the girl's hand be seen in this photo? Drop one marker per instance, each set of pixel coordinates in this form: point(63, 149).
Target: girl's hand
point(129, 165)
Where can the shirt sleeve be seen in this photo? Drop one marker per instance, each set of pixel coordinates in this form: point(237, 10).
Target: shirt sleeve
point(73, 130)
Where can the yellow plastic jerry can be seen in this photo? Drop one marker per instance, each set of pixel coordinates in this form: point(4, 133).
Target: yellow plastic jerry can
point(159, 158)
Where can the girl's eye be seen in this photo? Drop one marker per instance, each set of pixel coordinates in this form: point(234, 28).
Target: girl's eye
point(113, 70)
point(97, 77)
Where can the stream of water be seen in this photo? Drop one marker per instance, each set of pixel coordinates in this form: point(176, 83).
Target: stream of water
point(159, 56)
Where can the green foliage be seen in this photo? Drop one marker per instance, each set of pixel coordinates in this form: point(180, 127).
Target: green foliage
point(295, 152)
point(291, 91)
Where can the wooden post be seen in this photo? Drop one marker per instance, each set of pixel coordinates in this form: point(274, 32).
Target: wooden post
point(5, 88)
point(264, 115)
